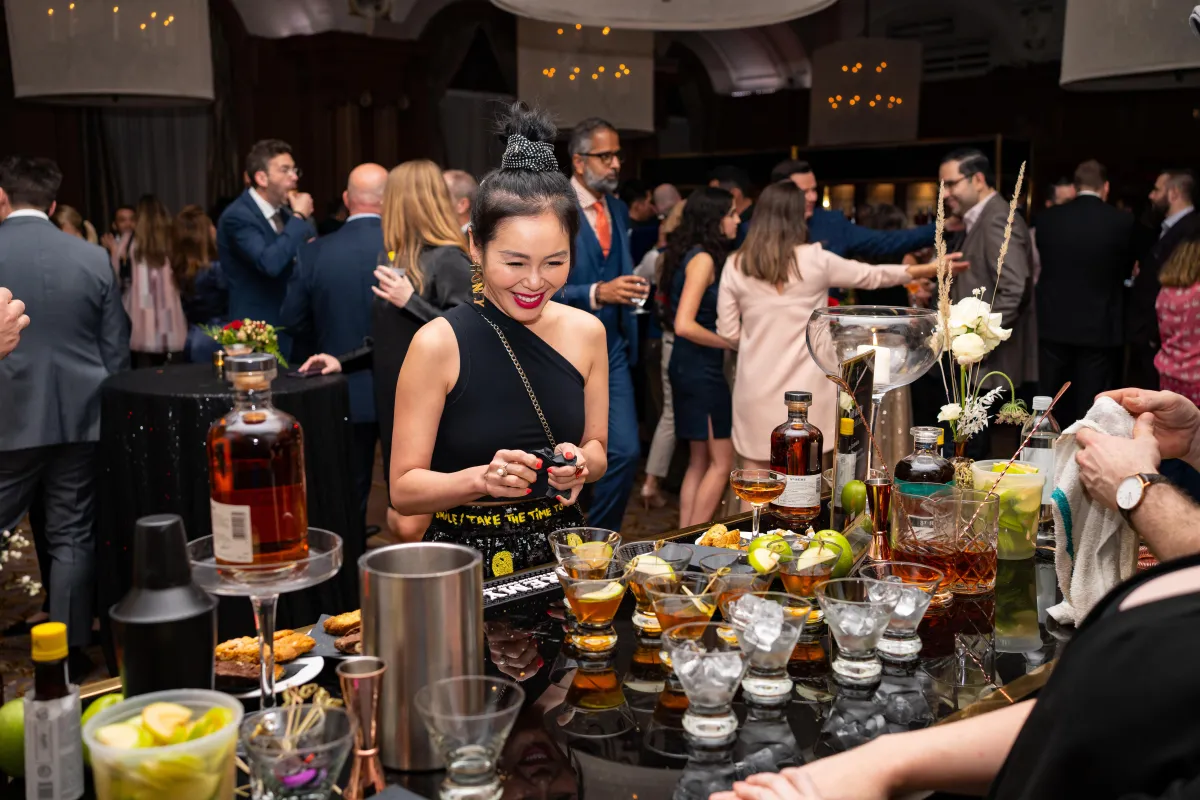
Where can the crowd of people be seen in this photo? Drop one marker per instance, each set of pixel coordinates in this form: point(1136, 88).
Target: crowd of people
point(430, 290)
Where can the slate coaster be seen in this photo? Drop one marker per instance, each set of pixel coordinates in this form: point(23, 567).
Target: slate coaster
point(325, 641)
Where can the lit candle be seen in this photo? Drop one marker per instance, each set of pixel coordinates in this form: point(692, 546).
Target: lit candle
point(116, 23)
point(883, 362)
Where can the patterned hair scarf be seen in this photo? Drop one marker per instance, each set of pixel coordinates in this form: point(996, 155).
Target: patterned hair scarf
point(523, 153)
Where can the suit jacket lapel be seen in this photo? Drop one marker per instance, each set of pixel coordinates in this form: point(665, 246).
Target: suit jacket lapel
point(589, 242)
point(264, 223)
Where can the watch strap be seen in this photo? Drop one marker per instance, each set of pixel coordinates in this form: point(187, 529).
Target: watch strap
point(1148, 479)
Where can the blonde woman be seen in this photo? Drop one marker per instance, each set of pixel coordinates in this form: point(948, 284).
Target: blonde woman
point(159, 328)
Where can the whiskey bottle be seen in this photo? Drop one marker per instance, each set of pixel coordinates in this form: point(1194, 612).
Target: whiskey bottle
point(796, 452)
point(924, 471)
point(256, 472)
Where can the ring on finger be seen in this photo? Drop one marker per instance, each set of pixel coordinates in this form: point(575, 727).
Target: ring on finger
point(578, 470)
point(502, 471)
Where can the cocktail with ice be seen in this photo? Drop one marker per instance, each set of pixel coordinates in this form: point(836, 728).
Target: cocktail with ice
point(917, 584)
point(710, 669)
point(767, 626)
point(1020, 492)
point(857, 611)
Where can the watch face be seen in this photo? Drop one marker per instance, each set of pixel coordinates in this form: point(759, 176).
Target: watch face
point(1129, 492)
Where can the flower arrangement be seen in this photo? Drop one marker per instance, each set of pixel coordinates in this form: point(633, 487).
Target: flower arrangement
point(258, 336)
point(11, 547)
point(970, 331)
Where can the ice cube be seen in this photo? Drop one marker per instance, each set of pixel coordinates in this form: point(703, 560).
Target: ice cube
point(725, 667)
point(886, 592)
point(907, 603)
point(855, 621)
point(761, 619)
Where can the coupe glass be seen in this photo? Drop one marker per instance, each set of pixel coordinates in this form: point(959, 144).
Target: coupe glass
point(592, 543)
point(682, 597)
point(710, 668)
point(296, 754)
point(902, 338)
point(918, 584)
point(757, 487)
point(1020, 505)
point(594, 594)
point(468, 719)
point(767, 626)
point(857, 611)
point(667, 559)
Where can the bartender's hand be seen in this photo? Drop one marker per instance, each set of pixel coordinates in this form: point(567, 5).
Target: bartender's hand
point(323, 363)
point(1176, 420)
point(509, 474)
point(569, 480)
point(396, 290)
point(1104, 461)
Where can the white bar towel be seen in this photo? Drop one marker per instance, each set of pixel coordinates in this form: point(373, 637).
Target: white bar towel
point(1094, 548)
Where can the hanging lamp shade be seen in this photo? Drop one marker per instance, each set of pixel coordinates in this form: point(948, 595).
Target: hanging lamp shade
point(1129, 44)
point(128, 52)
point(665, 15)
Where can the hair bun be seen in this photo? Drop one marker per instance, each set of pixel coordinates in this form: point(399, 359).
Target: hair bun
point(528, 134)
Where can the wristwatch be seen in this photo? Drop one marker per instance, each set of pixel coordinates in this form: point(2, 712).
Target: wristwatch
point(1132, 490)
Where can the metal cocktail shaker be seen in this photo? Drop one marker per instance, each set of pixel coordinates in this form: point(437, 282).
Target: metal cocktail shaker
point(422, 613)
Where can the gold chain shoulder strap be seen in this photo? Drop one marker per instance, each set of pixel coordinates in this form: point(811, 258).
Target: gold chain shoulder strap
point(529, 389)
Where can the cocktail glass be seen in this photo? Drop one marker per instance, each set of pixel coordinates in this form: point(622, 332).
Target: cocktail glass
point(857, 611)
point(767, 626)
point(903, 340)
point(203, 767)
point(918, 584)
point(642, 561)
point(468, 719)
point(596, 544)
point(683, 597)
point(757, 487)
point(1020, 504)
point(804, 570)
point(296, 754)
point(710, 669)
point(594, 593)
point(735, 576)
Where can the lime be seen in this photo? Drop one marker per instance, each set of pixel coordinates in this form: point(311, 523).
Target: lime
point(773, 542)
point(765, 559)
point(609, 591)
point(99, 704)
point(573, 539)
point(125, 736)
point(1016, 469)
point(846, 560)
point(12, 738)
point(213, 720)
point(854, 497)
point(648, 566)
point(162, 719)
point(596, 554)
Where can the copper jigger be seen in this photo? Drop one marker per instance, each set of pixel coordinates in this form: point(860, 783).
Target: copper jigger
point(879, 498)
point(362, 680)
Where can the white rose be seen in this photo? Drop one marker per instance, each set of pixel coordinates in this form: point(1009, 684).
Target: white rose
point(950, 412)
point(967, 314)
point(989, 328)
point(969, 348)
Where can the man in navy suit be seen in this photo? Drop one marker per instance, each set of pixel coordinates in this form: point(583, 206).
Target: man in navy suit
point(260, 233)
point(328, 303)
point(839, 235)
point(602, 281)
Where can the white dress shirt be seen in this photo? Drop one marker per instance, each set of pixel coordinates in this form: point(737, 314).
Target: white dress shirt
point(1170, 221)
point(269, 211)
point(972, 214)
point(29, 212)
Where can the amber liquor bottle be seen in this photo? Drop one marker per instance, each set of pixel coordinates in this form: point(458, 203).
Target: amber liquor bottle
point(256, 472)
point(796, 452)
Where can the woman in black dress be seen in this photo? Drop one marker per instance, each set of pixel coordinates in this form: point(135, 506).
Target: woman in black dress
point(690, 274)
point(487, 384)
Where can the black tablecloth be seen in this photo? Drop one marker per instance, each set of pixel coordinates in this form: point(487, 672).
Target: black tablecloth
point(153, 461)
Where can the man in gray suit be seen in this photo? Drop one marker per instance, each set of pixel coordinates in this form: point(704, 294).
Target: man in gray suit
point(985, 214)
point(50, 384)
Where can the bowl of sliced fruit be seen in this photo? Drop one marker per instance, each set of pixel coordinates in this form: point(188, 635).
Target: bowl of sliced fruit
point(178, 744)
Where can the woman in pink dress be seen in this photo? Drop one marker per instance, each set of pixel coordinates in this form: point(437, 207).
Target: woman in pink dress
point(769, 289)
point(1178, 306)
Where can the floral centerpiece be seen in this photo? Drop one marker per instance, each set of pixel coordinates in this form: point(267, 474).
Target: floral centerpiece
point(970, 331)
point(249, 335)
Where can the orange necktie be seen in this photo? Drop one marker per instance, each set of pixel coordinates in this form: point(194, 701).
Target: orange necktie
point(603, 228)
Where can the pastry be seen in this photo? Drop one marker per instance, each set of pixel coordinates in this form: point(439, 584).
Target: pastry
point(720, 536)
point(343, 624)
point(350, 644)
point(289, 645)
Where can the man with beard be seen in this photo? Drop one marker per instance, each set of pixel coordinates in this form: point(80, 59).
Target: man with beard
point(1172, 197)
point(602, 281)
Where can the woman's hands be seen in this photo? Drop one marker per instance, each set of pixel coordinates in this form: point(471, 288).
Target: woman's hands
point(955, 260)
point(846, 776)
point(323, 363)
point(509, 474)
point(569, 480)
point(396, 289)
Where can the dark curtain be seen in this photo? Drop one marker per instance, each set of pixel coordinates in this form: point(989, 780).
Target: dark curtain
point(224, 160)
point(102, 191)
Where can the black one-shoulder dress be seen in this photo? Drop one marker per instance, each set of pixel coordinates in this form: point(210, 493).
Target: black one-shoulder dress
point(489, 409)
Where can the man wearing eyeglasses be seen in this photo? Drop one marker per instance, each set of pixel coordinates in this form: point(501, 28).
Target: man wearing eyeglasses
point(602, 281)
point(259, 234)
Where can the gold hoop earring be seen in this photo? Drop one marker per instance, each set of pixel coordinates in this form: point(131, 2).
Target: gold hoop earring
point(477, 283)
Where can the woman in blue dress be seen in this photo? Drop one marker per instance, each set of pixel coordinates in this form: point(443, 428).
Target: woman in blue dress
point(690, 275)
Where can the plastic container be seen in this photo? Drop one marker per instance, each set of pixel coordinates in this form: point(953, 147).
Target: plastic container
point(1020, 505)
point(203, 768)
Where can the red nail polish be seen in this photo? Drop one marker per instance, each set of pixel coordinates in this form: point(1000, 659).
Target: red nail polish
point(539, 464)
point(529, 491)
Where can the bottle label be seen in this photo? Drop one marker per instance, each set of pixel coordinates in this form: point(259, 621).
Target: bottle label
point(844, 470)
point(803, 491)
point(231, 533)
point(1043, 459)
point(53, 749)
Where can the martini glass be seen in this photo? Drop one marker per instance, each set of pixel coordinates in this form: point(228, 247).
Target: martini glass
point(858, 611)
point(902, 339)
